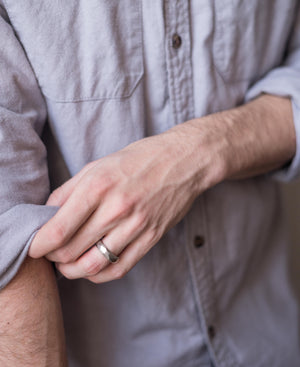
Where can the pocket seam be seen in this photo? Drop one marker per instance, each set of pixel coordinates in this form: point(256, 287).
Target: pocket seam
point(91, 99)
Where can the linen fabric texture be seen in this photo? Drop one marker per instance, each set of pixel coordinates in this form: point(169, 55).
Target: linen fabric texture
point(102, 74)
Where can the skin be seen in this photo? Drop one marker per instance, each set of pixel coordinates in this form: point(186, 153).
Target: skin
point(31, 331)
point(134, 196)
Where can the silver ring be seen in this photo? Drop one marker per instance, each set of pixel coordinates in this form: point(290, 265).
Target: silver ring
point(110, 256)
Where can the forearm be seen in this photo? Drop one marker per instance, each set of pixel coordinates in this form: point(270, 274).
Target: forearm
point(137, 194)
point(31, 329)
point(261, 137)
point(246, 141)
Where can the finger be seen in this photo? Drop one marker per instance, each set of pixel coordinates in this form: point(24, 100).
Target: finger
point(128, 259)
point(85, 237)
point(53, 234)
point(100, 223)
point(89, 264)
point(83, 201)
point(59, 196)
point(69, 218)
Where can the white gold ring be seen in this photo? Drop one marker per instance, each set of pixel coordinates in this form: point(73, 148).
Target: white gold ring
point(110, 256)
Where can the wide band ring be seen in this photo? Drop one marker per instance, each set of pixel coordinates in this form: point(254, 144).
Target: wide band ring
point(110, 256)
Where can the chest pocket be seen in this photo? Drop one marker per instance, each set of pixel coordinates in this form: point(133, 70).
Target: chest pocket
point(82, 50)
point(250, 36)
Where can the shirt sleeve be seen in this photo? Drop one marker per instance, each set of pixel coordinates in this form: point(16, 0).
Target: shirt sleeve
point(24, 183)
point(284, 81)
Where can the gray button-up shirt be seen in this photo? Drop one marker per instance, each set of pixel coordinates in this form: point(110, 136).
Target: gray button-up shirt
point(104, 73)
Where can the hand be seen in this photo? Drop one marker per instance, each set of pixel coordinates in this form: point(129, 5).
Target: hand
point(131, 198)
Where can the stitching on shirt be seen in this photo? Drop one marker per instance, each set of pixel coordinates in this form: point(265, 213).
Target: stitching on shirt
point(91, 99)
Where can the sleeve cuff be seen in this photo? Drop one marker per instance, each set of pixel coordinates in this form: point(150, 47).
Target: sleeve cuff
point(283, 82)
point(19, 225)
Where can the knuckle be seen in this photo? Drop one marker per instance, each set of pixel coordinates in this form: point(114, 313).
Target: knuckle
point(125, 205)
point(140, 220)
point(153, 237)
point(55, 195)
point(95, 187)
point(57, 234)
point(64, 255)
point(91, 266)
point(118, 272)
point(106, 181)
point(66, 274)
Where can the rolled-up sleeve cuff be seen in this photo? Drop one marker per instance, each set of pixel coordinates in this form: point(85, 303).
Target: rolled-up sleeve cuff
point(19, 225)
point(283, 82)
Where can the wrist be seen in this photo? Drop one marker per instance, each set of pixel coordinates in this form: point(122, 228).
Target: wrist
point(245, 141)
point(203, 141)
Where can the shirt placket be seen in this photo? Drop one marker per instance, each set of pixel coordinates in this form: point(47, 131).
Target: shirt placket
point(178, 59)
point(199, 256)
point(180, 86)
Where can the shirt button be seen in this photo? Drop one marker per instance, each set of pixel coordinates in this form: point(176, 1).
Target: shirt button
point(199, 241)
point(176, 41)
point(211, 331)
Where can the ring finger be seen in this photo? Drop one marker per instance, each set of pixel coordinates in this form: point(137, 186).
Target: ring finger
point(93, 261)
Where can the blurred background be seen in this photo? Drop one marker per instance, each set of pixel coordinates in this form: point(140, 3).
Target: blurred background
point(291, 194)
